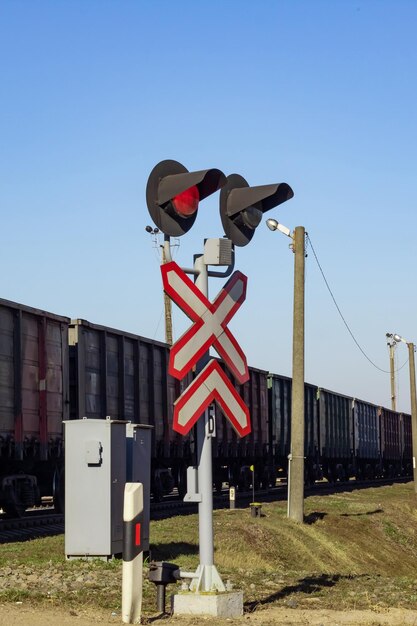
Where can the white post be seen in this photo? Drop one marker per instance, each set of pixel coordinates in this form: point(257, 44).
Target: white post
point(132, 576)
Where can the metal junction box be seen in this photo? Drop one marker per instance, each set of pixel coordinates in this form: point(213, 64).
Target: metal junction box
point(95, 476)
point(218, 251)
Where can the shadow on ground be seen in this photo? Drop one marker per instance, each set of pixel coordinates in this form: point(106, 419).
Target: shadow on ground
point(312, 518)
point(308, 585)
point(358, 514)
point(170, 551)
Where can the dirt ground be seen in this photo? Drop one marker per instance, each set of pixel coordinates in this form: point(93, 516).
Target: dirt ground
point(353, 563)
point(21, 615)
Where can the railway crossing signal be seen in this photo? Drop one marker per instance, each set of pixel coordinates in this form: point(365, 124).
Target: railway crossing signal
point(242, 207)
point(173, 194)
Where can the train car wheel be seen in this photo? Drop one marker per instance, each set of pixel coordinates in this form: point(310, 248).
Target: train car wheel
point(157, 490)
point(14, 507)
point(232, 475)
point(341, 473)
point(182, 480)
point(59, 490)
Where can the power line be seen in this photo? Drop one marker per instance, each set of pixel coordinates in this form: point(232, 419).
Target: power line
point(342, 317)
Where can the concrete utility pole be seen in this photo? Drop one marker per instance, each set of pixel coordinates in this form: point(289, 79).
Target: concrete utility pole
point(165, 258)
point(296, 457)
point(392, 344)
point(411, 349)
point(296, 477)
point(167, 299)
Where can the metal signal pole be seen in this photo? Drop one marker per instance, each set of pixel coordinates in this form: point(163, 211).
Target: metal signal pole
point(208, 578)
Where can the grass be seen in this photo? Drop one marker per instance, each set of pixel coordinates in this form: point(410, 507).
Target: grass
point(356, 550)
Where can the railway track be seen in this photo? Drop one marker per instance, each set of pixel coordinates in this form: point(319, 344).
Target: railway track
point(45, 522)
point(173, 506)
point(35, 524)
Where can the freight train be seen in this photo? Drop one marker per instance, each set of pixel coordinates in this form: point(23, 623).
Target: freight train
point(53, 369)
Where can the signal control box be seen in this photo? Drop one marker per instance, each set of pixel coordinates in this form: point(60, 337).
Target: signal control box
point(101, 455)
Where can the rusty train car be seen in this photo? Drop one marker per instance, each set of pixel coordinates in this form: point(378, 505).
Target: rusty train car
point(53, 368)
point(34, 401)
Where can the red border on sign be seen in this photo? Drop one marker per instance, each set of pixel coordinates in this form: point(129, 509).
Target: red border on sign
point(226, 290)
point(174, 295)
point(181, 342)
point(212, 395)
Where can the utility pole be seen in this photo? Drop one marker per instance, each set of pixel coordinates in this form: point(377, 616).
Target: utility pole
point(413, 401)
point(167, 299)
point(296, 461)
point(413, 409)
point(165, 258)
point(392, 344)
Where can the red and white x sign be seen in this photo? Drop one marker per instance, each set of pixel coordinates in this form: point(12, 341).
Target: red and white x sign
point(210, 322)
point(211, 384)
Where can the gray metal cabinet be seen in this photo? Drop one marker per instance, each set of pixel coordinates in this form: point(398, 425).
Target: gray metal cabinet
point(95, 476)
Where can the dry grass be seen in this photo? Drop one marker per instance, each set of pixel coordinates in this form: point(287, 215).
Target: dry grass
point(356, 550)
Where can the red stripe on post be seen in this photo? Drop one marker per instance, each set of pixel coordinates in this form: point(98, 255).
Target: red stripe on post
point(137, 534)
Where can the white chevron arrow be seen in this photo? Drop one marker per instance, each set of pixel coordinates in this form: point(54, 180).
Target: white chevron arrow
point(211, 385)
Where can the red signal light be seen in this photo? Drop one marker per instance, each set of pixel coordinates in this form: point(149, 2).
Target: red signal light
point(186, 203)
point(173, 195)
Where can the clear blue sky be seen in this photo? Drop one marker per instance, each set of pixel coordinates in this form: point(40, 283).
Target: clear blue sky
point(319, 94)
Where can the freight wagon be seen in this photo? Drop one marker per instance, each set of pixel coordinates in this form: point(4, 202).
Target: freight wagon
point(34, 400)
point(395, 442)
point(279, 402)
point(367, 440)
point(336, 435)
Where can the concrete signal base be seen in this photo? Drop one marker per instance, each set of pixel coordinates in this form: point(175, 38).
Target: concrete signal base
point(228, 604)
